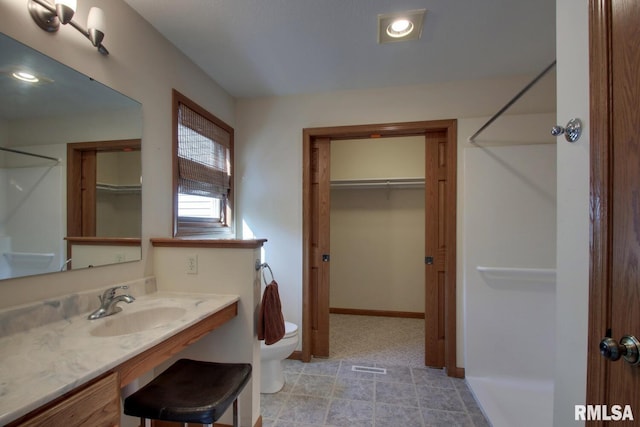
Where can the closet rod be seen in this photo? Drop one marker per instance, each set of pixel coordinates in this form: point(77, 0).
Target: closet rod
point(11, 150)
point(513, 100)
point(377, 183)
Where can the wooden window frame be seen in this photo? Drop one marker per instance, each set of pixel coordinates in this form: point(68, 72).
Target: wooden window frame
point(183, 227)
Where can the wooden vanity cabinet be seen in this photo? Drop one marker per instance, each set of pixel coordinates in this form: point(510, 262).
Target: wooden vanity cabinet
point(96, 404)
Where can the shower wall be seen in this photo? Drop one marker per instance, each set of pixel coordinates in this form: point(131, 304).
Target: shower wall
point(509, 222)
point(510, 209)
point(33, 213)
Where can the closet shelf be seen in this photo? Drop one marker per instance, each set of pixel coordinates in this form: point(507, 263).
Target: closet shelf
point(540, 275)
point(119, 189)
point(378, 183)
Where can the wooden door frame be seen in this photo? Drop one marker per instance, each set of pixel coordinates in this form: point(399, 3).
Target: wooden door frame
point(601, 76)
point(81, 219)
point(600, 129)
point(386, 130)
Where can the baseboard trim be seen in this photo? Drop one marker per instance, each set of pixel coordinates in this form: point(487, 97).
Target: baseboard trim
point(457, 373)
point(380, 313)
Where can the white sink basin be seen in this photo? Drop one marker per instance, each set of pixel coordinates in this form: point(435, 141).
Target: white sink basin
point(137, 321)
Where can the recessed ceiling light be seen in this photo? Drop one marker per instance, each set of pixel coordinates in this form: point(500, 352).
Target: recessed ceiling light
point(401, 26)
point(25, 77)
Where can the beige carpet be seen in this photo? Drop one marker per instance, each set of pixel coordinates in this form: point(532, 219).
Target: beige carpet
point(389, 340)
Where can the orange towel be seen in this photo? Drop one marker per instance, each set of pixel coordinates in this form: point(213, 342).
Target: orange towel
point(270, 319)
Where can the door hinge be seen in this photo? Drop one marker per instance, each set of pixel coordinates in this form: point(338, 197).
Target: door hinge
point(428, 260)
point(325, 257)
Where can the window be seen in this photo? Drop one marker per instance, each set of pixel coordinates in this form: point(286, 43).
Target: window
point(203, 164)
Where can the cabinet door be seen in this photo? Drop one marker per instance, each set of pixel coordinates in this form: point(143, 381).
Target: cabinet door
point(97, 405)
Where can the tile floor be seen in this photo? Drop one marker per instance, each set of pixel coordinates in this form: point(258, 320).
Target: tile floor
point(328, 392)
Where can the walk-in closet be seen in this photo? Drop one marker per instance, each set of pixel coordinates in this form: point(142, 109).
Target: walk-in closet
point(378, 226)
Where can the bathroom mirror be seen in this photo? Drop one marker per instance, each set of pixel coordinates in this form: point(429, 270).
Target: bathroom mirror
point(44, 124)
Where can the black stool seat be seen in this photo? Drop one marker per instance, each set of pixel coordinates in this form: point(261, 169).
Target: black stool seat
point(190, 391)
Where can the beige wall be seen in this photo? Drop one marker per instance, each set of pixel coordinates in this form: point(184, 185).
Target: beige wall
point(377, 249)
point(119, 213)
point(269, 154)
point(221, 271)
point(145, 67)
point(377, 158)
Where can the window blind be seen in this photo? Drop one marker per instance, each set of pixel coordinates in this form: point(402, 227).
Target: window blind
point(203, 156)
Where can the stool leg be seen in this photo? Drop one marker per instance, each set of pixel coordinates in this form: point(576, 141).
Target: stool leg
point(145, 422)
point(235, 413)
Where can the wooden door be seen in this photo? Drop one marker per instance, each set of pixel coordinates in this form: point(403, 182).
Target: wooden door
point(319, 255)
point(614, 300)
point(435, 247)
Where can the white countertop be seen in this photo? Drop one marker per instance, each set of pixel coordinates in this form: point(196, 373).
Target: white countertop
point(43, 363)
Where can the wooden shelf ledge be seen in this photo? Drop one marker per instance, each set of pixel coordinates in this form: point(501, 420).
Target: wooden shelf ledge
point(207, 243)
point(104, 241)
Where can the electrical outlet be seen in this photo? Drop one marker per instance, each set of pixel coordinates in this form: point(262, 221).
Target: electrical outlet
point(192, 264)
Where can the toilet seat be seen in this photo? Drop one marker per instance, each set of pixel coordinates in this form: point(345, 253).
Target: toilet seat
point(290, 329)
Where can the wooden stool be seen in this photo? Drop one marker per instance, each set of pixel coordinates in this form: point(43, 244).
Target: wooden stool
point(190, 391)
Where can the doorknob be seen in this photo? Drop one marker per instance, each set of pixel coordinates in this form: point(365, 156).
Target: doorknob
point(629, 349)
point(571, 133)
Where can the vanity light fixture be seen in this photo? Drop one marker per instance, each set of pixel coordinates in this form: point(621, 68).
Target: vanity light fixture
point(49, 17)
point(401, 26)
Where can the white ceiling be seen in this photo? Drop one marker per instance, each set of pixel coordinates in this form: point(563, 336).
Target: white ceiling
point(258, 48)
point(61, 92)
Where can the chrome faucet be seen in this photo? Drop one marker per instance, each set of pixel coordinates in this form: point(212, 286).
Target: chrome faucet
point(109, 301)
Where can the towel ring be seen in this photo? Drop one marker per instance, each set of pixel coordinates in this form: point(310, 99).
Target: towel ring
point(263, 266)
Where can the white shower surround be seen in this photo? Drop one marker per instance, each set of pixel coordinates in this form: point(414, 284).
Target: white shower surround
point(510, 223)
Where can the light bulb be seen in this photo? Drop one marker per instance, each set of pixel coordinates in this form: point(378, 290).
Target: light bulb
point(65, 10)
point(25, 77)
point(96, 25)
point(400, 25)
point(69, 3)
point(400, 28)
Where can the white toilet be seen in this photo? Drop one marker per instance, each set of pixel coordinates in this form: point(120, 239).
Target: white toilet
point(271, 357)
